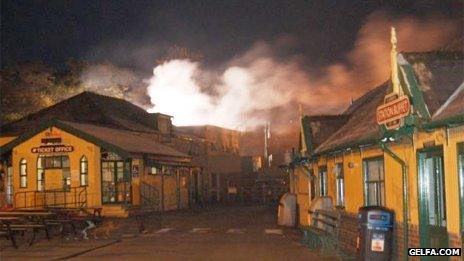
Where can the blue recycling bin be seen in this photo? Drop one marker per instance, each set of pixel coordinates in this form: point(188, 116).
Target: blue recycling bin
point(375, 240)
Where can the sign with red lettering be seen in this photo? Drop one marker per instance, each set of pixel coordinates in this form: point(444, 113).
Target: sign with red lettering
point(393, 111)
point(52, 149)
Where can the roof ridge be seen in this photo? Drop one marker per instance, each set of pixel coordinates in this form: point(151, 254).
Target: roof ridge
point(363, 98)
point(450, 99)
point(106, 126)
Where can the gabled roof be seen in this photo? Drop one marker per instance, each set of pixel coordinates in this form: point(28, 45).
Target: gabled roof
point(123, 142)
point(453, 107)
point(439, 76)
point(130, 141)
point(362, 125)
point(317, 128)
point(92, 108)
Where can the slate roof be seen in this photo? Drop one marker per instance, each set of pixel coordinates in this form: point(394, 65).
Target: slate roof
point(123, 142)
point(453, 107)
point(439, 75)
point(317, 128)
point(90, 108)
point(362, 125)
point(106, 120)
point(130, 141)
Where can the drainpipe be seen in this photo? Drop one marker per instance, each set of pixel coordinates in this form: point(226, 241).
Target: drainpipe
point(404, 169)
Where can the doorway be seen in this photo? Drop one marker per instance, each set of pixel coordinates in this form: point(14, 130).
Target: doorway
point(432, 203)
point(460, 148)
point(114, 186)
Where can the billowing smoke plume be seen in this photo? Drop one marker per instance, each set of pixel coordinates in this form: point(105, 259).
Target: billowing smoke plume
point(111, 80)
point(256, 87)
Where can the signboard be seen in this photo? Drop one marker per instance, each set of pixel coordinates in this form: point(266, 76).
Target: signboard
point(393, 111)
point(135, 170)
point(52, 149)
point(378, 243)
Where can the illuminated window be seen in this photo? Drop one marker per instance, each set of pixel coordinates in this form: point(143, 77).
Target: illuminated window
point(84, 171)
point(40, 173)
point(23, 173)
point(323, 181)
point(340, 182)
point(374, 182)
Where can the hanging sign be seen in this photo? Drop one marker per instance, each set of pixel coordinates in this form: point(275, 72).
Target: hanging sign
point(392, 112)
point(52, 149)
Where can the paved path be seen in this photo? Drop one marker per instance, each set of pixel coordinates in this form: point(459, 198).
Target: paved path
point(217, 233)
point(228, 233)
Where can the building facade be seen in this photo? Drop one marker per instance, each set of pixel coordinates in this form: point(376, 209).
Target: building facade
point(399, 146)
point(93, 151)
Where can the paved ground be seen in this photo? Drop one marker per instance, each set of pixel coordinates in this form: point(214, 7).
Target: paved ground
point(216, 233)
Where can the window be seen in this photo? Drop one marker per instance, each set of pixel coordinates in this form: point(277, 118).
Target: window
point(374, 182)
point(84, 171)
point(23, 173)
point(56, 162)
point(40, 173)
point(323, 181)
point(340, 183)
point(312, 183)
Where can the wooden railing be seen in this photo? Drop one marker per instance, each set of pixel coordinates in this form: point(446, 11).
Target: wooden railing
point(149, 195)
point(74, 197)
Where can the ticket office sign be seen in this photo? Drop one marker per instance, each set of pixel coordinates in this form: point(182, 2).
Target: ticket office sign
point(52, 149)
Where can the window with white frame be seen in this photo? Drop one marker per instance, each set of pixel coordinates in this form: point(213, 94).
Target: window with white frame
point(323, 181)
point(340, 183)
point(23, 173)
point(84, 171)
point(374, 182)
point(40, 173)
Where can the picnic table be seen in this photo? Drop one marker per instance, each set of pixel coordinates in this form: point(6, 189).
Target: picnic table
point(20, 221)
point(36, 219)
point(5, 225)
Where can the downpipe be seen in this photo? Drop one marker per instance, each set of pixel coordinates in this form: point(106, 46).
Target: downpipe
point(404, 169)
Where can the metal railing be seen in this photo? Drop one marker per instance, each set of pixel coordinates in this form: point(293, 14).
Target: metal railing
point(149, 196)
point(75, 197)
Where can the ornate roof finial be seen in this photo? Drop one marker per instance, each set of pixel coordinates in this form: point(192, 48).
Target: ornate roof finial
point(394, 63)
point(393, 39)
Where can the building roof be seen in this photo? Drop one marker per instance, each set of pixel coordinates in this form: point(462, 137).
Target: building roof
point(453, 107)
point(316, 129)
point(130, 141)
point(439, 76)
point(92, 108)
point(123, 142)
point(362, 125)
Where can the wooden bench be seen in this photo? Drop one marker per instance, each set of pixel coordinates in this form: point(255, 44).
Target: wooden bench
point(323, 231)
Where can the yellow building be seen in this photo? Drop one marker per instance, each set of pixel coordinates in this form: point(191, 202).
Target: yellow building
point(93, 151)
point(401, 145)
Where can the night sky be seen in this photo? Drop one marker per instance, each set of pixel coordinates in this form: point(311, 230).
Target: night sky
point(136, 33)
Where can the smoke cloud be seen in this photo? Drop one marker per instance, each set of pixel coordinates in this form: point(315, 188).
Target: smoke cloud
point(257, 87)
